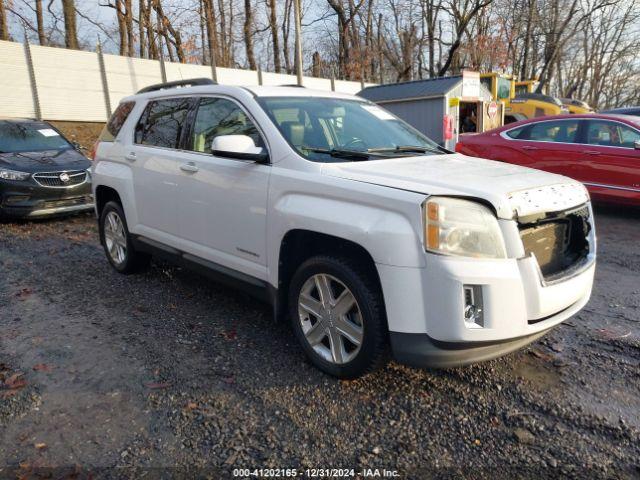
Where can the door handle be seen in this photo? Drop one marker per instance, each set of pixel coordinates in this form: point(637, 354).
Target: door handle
point(529, 147)
point(189, 167)
point(131, 157)
point(591, 152)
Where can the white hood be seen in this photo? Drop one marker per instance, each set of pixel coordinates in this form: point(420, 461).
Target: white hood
point(511, 189)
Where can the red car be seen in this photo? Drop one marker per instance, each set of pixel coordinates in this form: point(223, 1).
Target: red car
point(600, 150)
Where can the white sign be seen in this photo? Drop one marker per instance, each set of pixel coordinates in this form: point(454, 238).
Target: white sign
point(470, 84)
point(49, 132)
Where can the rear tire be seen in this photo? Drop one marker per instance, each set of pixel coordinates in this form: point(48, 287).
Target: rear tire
point(337, 313)
point(117, 242)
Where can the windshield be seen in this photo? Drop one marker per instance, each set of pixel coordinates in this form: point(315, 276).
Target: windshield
point(337, 130)
point(30, 137)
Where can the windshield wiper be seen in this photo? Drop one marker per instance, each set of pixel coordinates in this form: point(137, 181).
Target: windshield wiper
point(341, 152)
point(404, 148)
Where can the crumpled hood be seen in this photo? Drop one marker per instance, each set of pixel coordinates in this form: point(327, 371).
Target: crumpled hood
point(511, 189)
point(44, 161)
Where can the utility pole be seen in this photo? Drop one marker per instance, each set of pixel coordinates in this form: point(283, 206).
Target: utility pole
point(296, 6)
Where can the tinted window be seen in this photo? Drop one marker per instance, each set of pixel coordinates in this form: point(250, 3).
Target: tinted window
point(113, 126)
point(162, 122)
point(219, 116)
point(516, 132)
point(30, 137)
point(611, 134)
point(563, 131)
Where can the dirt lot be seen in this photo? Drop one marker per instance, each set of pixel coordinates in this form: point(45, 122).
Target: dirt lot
point(165, 369)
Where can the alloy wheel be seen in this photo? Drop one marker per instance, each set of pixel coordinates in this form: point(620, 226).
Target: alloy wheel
point(115, 238)
point(331, 318)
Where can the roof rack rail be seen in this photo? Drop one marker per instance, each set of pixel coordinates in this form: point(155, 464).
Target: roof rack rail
point(193, 82)
point(292, 85)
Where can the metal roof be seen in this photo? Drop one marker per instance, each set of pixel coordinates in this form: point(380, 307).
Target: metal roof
point(432, 87)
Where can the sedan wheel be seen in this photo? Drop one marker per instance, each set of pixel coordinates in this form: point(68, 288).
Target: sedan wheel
point(330, 318)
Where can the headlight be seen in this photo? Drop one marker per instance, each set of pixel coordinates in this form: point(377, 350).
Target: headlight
point(13, 175)
point(461, 227)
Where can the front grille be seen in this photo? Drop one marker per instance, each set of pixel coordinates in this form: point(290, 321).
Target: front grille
point(60, 179)
point(558, 241)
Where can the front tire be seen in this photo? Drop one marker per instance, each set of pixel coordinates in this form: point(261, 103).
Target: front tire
point(338, 315)
point(117, 242)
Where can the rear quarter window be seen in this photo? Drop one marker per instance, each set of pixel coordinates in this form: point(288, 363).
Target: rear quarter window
point(115, 123)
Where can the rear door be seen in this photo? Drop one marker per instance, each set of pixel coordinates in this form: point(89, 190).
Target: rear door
point(548, 145)
point(155, 154)
point(222, 202)
point(610, 163)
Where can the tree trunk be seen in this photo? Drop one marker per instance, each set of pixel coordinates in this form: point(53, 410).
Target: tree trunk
point(70, 29)
point(141, 28)
point(129, 22)
point(286, 24)
point(122, 27)
point(4, 32)
point(248, 34)
point(212, 29)
point(151, 38)
point(273, 25)
point(316, 65)
point(42, 38)
point(223, 33)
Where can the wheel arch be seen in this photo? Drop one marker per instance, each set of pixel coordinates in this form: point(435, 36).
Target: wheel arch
point(298, 245)
point(105, 194)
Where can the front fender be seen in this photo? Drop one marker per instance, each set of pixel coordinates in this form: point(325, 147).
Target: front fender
point(387, 234)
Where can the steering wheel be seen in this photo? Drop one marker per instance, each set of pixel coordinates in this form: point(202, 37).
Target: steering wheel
point(354, 142)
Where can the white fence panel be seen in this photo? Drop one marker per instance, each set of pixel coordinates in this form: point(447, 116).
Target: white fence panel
point(15, 87)
point(185, 71)
point(233, 76)
point(69, 84)
point(317, 83)
point(125, 76)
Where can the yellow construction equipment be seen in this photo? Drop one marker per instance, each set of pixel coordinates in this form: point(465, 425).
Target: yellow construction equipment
point(576, 106)
point(519, 97)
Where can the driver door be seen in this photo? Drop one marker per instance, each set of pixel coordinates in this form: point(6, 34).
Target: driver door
point(222, 202)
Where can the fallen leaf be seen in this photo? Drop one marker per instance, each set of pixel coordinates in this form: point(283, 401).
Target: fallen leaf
point(24, 293)
point(42, 367)
point(8, 394)
point(230, 334)
point(158, 385)
point(15, 381)
point(191, 406)
point(540, 354)
point(40, 446)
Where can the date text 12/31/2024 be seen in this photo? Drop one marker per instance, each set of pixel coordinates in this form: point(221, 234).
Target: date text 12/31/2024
point(314, 473)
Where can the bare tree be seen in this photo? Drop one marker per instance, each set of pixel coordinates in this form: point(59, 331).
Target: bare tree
point(248, 34)
point(70, 28)
point(4, 31)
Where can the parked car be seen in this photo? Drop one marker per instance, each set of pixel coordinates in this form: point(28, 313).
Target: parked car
point(41, 172)
point(600, 150)
point(635, 111)
point(362, 231)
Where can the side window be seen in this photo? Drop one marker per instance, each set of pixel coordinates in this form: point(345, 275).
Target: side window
point(517, 133)
point(611, 134)
point(162, 122)
point(115, 123)
point(219, 116)
point(562, 131)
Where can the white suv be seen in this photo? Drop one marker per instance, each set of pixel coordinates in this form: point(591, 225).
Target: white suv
point(368, 236)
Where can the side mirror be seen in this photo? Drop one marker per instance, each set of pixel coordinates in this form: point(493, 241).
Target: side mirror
point(637, 145)
point(241, 147)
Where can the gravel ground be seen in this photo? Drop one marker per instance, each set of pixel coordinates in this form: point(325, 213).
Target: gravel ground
point(166, 373)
